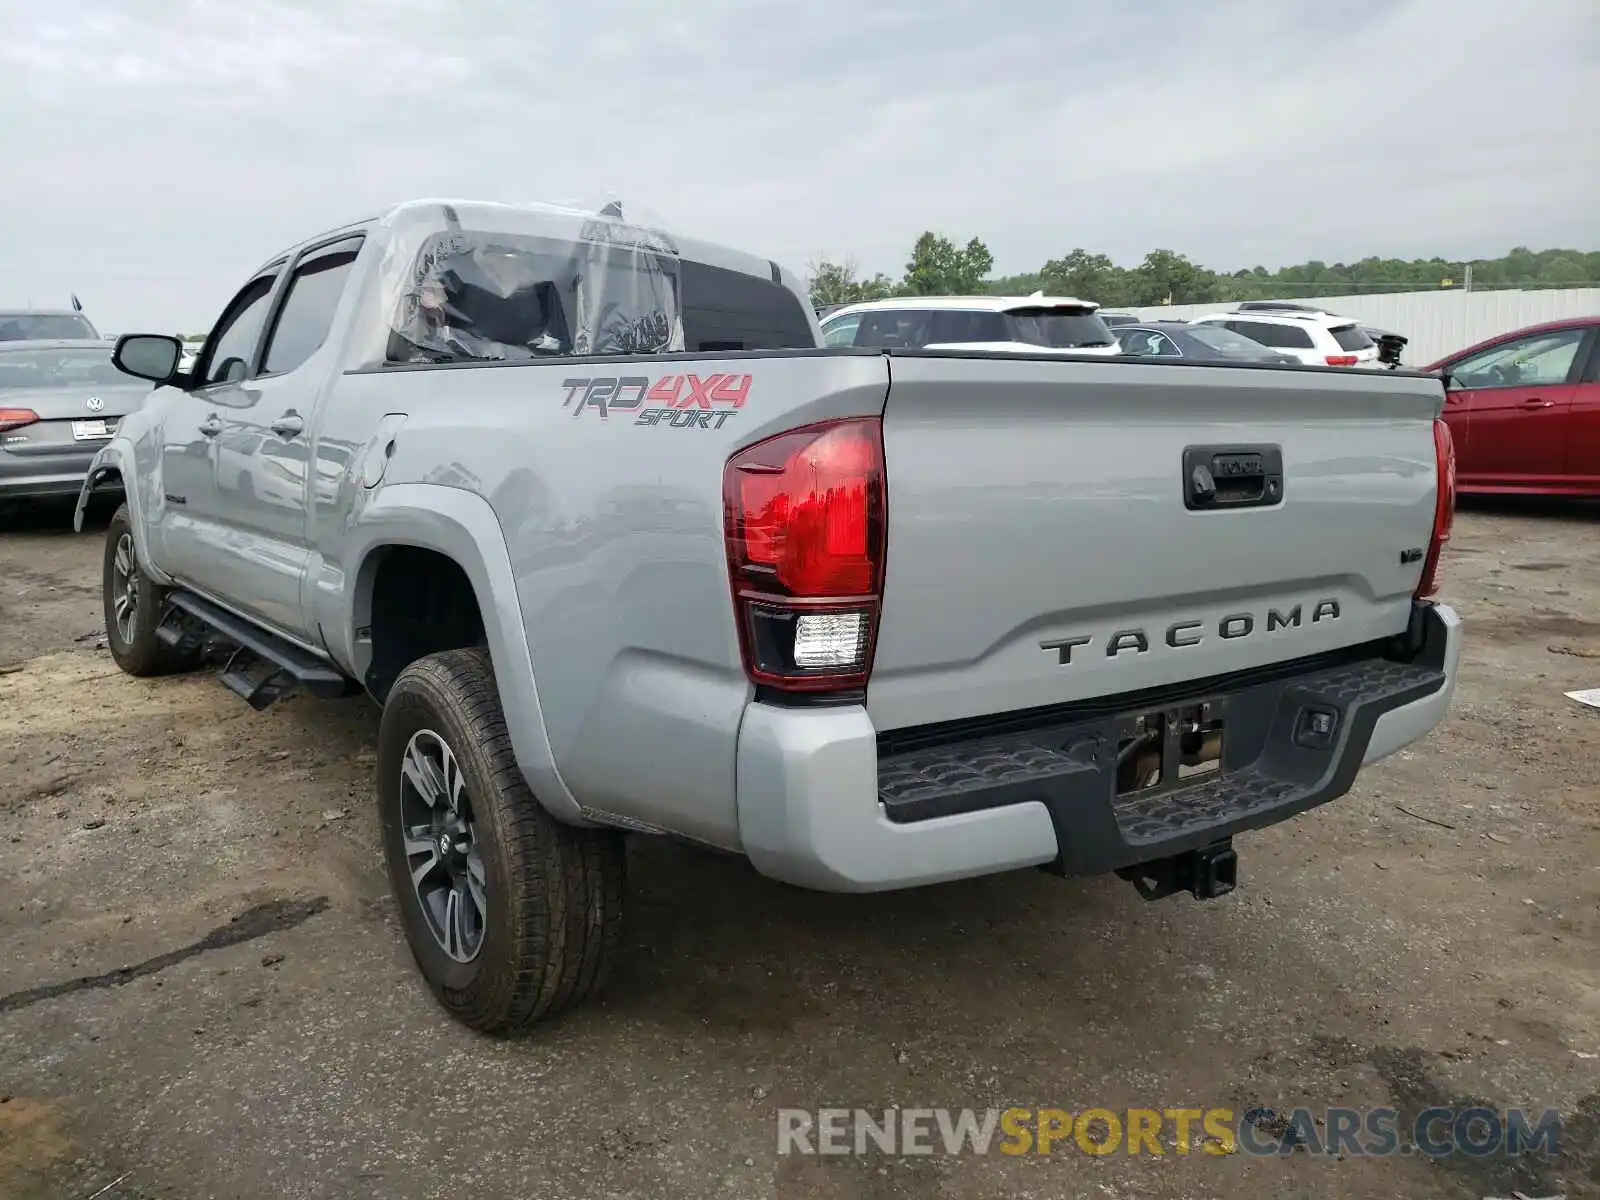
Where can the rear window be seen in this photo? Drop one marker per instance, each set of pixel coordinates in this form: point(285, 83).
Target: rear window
point(25, 327)
point(1351, 337)
point(1284, 337)
point(1058, 328)
point(57, 368)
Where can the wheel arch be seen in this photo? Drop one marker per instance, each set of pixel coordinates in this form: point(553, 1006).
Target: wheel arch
point(460, 528)
point(115, 461)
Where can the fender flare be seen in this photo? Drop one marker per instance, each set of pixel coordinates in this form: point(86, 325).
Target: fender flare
point(462, 526)
point(117, 455)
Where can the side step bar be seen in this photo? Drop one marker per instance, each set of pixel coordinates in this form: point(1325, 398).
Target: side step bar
point(263, 667)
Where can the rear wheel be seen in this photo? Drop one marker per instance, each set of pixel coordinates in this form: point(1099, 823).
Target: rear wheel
point(511, 915)
point(133, 608)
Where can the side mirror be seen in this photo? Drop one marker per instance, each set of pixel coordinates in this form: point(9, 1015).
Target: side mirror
point(152, 356)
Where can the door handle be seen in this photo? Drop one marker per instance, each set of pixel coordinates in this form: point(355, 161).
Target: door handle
point(211, 426)
point(288, 425)
point(1535, 402)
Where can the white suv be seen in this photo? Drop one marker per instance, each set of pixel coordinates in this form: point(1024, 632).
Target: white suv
point(1317, 338)
point(1036, 324)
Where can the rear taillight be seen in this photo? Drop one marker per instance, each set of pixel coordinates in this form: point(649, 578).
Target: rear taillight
point(1444, 508)
point(1341, 360)
point(16, 418)
point(804, 518)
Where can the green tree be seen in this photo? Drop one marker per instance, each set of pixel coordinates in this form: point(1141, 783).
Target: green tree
point(1563, 269)
point(937, 268)
point(839, 283)
point(1165, 277)
point(1088, 277)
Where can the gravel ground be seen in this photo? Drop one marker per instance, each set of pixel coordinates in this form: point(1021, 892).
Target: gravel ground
point(204, 992)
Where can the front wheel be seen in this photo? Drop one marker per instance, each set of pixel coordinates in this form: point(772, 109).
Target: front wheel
point(133, 608)
point(511, 915)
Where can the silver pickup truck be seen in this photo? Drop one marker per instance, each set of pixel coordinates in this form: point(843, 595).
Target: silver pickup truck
point(618, 546)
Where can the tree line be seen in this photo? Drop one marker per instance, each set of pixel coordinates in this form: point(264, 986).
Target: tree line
point(937, 267)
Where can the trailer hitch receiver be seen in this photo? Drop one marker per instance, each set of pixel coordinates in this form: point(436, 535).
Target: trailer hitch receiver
point(1205, 874)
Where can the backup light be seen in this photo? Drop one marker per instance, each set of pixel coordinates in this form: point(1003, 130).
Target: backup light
point(835, 640)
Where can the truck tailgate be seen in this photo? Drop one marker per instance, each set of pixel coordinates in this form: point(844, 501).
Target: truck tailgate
point(1041, 549)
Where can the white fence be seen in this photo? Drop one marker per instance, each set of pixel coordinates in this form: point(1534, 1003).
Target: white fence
point(1436, 322)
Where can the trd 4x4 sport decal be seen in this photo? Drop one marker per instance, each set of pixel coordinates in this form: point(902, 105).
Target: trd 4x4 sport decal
point(681, 401)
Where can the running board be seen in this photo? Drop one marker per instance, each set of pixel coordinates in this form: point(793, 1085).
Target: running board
point(263, 666)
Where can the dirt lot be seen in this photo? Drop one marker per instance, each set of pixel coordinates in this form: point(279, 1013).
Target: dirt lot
point(204, 992)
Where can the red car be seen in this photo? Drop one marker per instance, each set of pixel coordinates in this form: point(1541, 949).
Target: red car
point(1524, 410)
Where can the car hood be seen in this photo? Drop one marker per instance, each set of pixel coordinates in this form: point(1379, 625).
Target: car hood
point(73, 403)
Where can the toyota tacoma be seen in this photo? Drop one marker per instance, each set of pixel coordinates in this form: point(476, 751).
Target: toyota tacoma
point(619, 546)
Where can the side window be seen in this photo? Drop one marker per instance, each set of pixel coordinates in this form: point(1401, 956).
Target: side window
point(953, 325)
point(306, 313)
point(841, 332)
point(1592, 375)
point(1539, 360)
point(227, 355)
point(731, 310)
point(1139, 341)
point(1164, 346)
point(893, 328)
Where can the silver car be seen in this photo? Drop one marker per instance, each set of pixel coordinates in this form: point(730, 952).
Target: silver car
point(60, 401)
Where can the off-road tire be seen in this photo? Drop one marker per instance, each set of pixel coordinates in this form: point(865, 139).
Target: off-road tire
point(554, 891)
point(133, 642)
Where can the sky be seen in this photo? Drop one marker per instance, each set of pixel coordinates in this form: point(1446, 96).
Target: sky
point(154, 152)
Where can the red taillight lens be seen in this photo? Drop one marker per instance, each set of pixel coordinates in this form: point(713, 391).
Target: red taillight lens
point(1341, 360)
point(804, 521)
point(16, 418)
point(1444, 508)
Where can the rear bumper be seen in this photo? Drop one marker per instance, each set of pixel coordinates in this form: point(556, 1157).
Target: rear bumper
point(825, 803)
point(38, 476)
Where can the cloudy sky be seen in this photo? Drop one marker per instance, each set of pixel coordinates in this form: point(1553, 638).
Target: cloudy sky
point(155, 151)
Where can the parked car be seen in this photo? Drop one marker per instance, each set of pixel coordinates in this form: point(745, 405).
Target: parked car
point(60, 401)
point(652, 590)
point(1524, 409)
point(1314, 337)
point(45, 324)
point(1036, 324)
point(1202, 343)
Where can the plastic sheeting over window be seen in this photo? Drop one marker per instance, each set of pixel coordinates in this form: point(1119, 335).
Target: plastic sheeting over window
point(474, 282)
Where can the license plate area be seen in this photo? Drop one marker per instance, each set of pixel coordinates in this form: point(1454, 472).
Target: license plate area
point(1169, 748)
point(89, 431)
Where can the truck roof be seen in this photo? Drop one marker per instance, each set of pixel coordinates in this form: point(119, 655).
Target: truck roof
point(491, 214)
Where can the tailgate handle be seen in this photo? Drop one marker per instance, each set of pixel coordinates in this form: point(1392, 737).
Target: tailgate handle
point(1227, 477)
